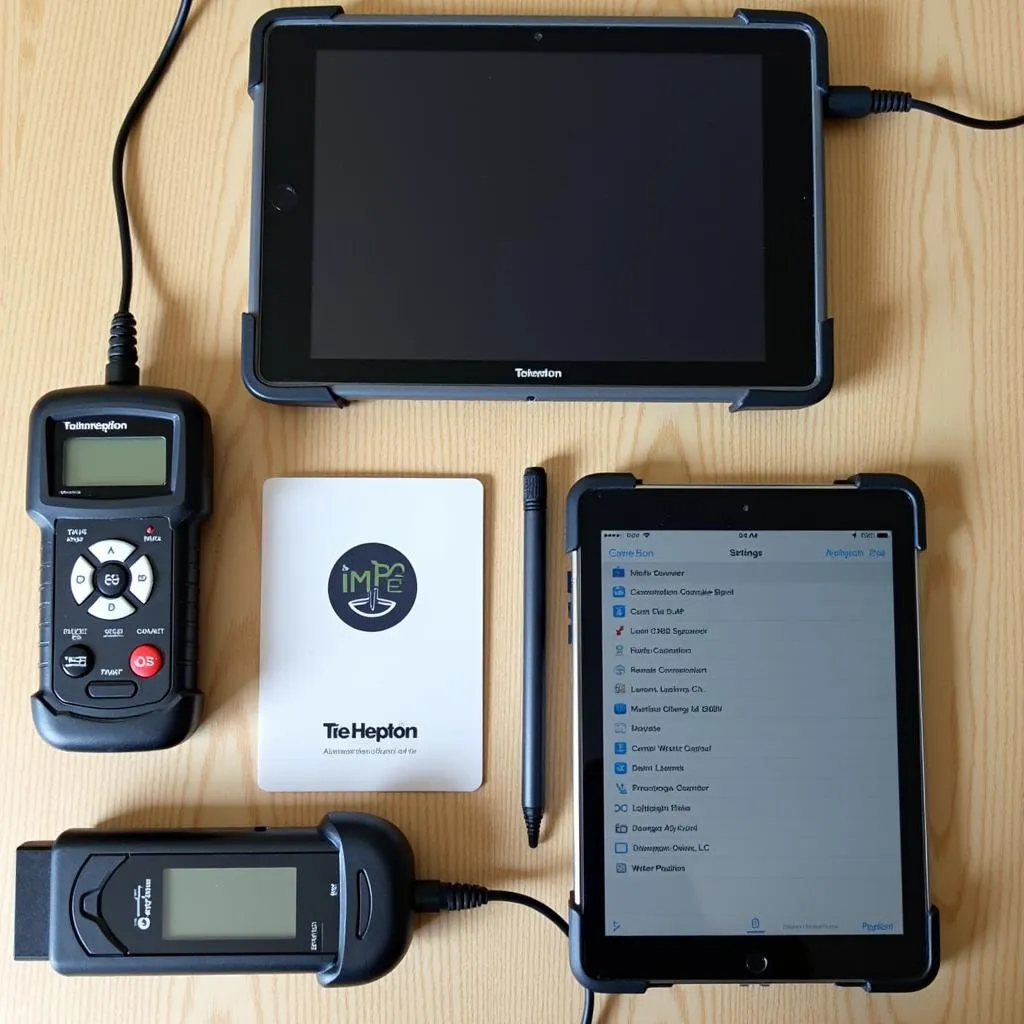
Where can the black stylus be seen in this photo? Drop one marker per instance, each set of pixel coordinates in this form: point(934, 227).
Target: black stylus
point(535, 512)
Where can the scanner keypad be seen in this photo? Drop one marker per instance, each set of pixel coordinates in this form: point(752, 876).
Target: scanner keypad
point(112, 598)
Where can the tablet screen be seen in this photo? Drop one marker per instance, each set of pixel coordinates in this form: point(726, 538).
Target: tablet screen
point(538, 208)
point(751, 769)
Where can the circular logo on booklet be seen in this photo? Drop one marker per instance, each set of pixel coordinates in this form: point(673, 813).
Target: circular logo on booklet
point(372, 587)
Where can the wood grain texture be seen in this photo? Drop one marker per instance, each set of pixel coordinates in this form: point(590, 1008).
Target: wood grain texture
point(926, 241)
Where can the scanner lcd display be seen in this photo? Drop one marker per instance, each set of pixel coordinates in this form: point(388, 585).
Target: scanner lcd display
point(115, 461)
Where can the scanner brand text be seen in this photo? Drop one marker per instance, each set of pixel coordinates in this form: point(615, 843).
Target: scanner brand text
point(105, 427)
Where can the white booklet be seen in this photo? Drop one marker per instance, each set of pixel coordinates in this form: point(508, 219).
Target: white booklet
point(371, 634)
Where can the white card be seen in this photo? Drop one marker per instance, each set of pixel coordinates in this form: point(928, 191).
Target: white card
point(371, 635)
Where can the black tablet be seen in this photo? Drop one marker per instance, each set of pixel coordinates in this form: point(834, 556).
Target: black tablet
point(541, 208)
point(749, 777)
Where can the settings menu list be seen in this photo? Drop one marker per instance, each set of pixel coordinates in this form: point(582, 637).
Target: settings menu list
point(750, 731)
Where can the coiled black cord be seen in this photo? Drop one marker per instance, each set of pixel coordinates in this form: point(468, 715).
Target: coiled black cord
point(122, 351)
point(433, 896)
point(888, 101)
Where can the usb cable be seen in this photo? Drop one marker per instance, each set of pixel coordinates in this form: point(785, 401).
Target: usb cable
point(432, 896)
point(853, 101)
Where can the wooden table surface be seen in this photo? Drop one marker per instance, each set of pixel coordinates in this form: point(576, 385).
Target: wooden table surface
point(926, 246)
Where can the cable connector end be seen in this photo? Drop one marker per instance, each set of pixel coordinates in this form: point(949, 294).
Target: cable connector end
point(852, 101)
point(122, 351)
point(431, 896)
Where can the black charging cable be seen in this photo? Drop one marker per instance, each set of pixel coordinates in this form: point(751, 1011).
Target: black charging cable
point(851, 101)
point(122, 350)
point(433, 896)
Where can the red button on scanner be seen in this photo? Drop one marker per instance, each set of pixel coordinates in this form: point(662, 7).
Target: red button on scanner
point(146, 661)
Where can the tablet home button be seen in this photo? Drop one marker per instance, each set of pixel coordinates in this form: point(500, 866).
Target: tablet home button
point(757, 963)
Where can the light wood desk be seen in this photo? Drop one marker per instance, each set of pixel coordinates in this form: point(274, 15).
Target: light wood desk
point(926, 238)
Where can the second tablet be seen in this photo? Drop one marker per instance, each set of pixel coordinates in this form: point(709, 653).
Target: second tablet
point(749, 777)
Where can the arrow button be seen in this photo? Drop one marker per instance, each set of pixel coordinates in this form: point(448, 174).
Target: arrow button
point(111, 550)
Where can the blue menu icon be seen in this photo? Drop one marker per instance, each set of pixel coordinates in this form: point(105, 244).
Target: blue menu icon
point(619, 611)
point(618, 572)
point(620, 748)
point(621, 768)
point(618, 591)
point(620, 709)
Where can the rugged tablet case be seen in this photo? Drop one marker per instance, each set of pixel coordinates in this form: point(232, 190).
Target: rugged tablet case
point(340, 393)
point(593, 482)
point(315, 394)
point(624, 481)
